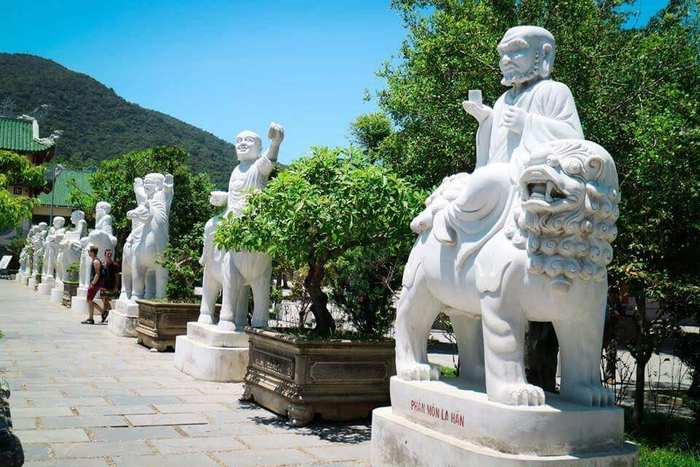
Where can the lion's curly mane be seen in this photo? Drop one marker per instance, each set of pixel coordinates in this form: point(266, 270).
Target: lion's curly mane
point(575, 244)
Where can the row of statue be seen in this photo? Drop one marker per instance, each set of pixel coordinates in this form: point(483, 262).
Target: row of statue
point(542, 200)
point(50, 251)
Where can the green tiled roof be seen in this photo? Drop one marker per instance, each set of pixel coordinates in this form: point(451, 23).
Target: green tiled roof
point(18, 135)
point(62, 189)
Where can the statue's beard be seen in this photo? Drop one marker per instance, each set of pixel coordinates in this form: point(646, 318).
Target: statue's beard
point(523, 77)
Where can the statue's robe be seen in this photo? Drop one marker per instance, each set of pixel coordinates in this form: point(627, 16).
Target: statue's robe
point(244, 178)
point(551, 115)
point(480, 211)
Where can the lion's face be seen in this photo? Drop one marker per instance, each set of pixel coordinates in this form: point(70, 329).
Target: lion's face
point(568, 197)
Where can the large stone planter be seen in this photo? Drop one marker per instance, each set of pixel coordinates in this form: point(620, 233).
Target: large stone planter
point(335, 379)
point(70, 290)
point(160, 323)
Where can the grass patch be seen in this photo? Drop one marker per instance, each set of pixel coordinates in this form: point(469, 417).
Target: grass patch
point(448, 372)
point(665, 441)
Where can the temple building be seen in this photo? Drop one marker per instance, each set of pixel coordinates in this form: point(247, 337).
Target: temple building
point(21, 135)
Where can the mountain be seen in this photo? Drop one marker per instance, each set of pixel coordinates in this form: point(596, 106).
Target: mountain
point(97, 124)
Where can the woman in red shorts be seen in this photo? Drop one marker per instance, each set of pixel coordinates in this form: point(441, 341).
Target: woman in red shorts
point(95, 284)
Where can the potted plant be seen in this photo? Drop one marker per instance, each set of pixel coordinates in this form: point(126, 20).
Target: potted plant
point(327, 211)
point(70, 286)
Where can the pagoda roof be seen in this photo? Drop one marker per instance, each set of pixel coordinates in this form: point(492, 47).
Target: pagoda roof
point(22, 135)
point(62, 189)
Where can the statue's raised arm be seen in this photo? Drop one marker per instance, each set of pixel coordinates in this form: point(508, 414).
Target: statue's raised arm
point(276, 135)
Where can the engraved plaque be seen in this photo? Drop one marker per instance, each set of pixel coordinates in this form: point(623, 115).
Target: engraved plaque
point(342, 372)
point(282, 366)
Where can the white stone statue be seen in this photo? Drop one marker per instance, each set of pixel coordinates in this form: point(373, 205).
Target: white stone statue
point(51, 246)
point(38, 245)
point(101, 236)
point(124, 318)
point(70, 249)
point(525, 237)
point(233, 273)
point(25, 258)
point(150, 235)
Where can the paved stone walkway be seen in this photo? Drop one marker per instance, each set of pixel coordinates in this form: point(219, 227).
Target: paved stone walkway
point(84, 397)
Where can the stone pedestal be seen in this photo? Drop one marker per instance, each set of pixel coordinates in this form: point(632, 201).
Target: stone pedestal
point(124, 318)
point(79, 302)
point(210, 354)
point(24, 280)
point(46, 285)
point(436, 423)
point(57, 292)
point(31, 282)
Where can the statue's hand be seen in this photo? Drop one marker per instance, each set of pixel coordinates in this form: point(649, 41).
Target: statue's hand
point(138, 182)
point(514, 119)
point(276, 133)
point(218, 198)
point(169, 181)
point(479, 111)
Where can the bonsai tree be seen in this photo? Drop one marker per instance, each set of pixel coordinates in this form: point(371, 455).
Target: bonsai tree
point(73, 271)
point(321, 207)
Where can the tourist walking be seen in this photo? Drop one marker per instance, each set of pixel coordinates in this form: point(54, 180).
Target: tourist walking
point(95, 284)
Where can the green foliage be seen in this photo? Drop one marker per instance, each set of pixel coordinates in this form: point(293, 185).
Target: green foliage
point(362, 284)
point(16, 170)
point(190, 209)
point(448, 371)
point(97, 123)
point(369, 131)
point(322, 206)
point(182, 261)
point(16, 244)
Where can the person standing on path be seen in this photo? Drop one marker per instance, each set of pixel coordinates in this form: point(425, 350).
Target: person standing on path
point(95, 284)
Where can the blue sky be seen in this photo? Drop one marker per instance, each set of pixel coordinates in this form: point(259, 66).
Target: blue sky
point(226, 65)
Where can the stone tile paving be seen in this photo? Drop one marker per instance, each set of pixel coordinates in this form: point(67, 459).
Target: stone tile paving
point(83, 397)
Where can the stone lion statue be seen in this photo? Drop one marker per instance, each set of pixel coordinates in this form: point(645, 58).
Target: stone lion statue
point(536, 251)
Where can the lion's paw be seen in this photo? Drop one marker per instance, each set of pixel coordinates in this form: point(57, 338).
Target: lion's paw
point(418, 372)
point(205, 319)
point(518, 394)
point(589, 395)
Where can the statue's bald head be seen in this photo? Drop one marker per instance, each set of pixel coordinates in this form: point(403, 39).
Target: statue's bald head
point(248, 146)
point(527, 52)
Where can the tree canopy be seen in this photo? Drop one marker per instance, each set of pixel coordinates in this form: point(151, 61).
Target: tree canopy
point(16, 170)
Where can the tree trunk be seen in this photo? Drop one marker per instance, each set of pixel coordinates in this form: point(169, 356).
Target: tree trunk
point(325, 325)
point(541, 351)
point(643, 356)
